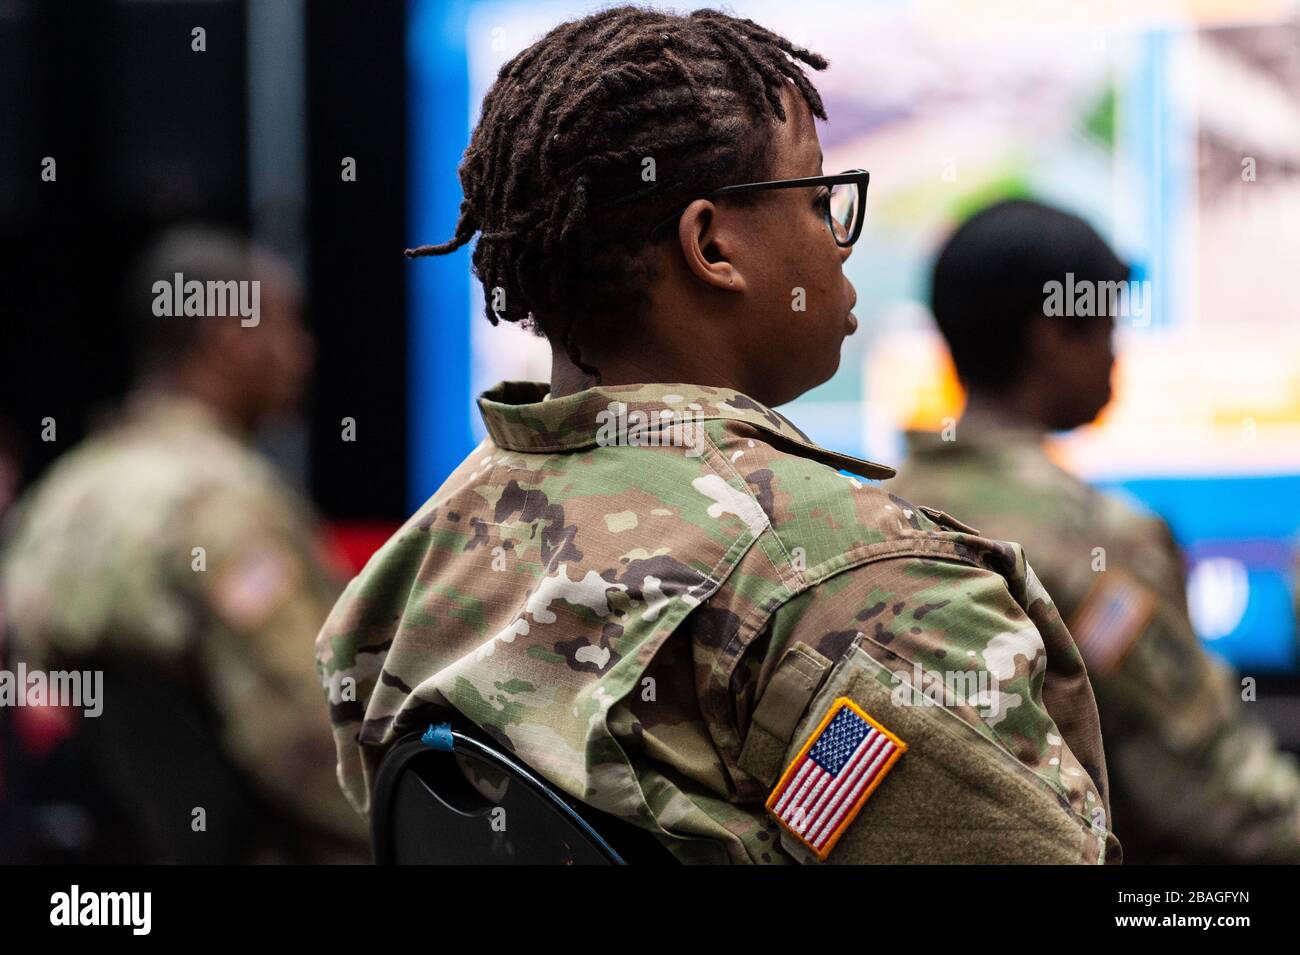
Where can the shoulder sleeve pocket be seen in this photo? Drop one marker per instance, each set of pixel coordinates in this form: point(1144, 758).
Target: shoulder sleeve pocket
point(870, 780)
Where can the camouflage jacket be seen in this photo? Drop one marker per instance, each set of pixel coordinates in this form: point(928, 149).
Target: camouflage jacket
point(654, 594)
point(1192, 778)
point(166, 539)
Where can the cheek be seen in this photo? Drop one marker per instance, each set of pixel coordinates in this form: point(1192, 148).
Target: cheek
point(833, 296)
point(802, 279)
point(1105, 356)
point(817, 271)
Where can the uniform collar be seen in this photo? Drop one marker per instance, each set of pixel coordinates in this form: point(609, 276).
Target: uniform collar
point(521, 416)
point(979, 430)
point(159, 409)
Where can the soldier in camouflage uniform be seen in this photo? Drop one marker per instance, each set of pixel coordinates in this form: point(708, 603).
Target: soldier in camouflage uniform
point(647, 584)
point(1192, 778)
point(166, 541)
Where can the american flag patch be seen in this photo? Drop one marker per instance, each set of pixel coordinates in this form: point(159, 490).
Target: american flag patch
point(1110, 619)
point(834, 774)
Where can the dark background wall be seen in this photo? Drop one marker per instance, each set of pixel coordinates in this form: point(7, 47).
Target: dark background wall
point(147, 132)
point(356, 83)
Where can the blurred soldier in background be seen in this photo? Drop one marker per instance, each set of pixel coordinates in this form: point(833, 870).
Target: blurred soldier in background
point(1191, 779)
point(168, 553)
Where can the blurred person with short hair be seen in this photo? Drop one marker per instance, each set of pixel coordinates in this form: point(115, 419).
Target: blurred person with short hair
point(169, 553)
point(1191, 778)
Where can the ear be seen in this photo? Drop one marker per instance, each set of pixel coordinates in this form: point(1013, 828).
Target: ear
point(1048, 342)
point(222, 342)
point(708, 246)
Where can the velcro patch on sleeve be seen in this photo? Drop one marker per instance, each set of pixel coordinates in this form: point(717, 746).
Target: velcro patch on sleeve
point(1111, 618)
point(839, 767)
point(252, 586)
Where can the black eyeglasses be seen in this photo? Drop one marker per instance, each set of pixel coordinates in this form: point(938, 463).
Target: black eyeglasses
point(845, 204)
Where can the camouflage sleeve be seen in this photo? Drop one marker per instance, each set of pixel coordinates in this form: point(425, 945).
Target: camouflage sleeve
point(264, 584)
point(1192, 771)
point(957, 676)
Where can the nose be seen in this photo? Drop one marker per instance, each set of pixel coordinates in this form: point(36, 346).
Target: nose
point(845, 251)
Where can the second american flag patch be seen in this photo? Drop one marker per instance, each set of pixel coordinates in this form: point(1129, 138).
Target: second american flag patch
point(836, 771)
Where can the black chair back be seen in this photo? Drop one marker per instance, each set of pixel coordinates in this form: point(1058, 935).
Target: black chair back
point(426, 811)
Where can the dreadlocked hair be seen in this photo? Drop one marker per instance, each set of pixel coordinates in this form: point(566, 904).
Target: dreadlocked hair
point(553, 176)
